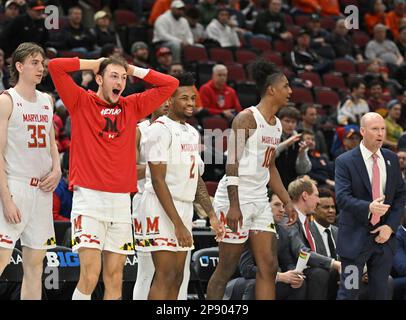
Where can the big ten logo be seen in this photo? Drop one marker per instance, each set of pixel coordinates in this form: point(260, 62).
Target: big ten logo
point(62, 259)
point(206, 261)
point(352, 19)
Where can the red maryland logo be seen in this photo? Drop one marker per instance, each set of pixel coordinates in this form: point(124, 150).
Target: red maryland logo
point(137, 227)
point(77, 224)
point(152, 227)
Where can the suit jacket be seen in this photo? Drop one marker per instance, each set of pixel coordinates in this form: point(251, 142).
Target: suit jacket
point(298, 242)
point(354, 194)
point(318, 240)
point(399, 261)
point(286, 261)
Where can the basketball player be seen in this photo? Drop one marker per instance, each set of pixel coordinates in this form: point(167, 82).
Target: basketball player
point(241, 199)
point(103, 163)
point(166, 210)
point(29, 168)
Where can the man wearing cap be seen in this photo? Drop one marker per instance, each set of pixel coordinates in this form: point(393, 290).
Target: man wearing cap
point(164, 59)
point(393, 128)
point(172, 30)
point(318, 36)
point(140, 54)
point(351, 138)
point(12, 10)
point(102, 31)
point(271, 22)
point(25, 28)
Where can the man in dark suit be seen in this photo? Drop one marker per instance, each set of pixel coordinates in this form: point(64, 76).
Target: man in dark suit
point(290, 284)
point(370, 194)
point(399, 262)
point(305, 198)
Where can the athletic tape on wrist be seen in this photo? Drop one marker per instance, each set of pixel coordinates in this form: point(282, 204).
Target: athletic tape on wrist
point(232, 181)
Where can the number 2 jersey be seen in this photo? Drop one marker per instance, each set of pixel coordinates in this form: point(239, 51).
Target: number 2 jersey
point(177, 145)
point(27, 153)
point(253, 170)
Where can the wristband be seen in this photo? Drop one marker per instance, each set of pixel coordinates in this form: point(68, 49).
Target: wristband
point(232, 181)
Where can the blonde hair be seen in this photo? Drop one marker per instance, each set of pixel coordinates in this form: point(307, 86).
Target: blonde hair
point(300, 185)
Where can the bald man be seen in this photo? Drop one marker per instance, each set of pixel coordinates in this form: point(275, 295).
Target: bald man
point(371, 195)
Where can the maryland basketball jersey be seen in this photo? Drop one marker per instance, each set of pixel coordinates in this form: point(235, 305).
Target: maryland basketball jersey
point(27, 152)
point(142, 126)
point(177, 145)
point(253, 167)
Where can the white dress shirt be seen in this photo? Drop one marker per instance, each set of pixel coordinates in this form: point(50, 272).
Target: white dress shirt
point(224, 34)
point(367, 156)
point(323, 233)
point(167, 28)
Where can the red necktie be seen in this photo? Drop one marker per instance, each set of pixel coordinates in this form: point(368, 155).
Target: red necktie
point(376, 186)
point(309, 235)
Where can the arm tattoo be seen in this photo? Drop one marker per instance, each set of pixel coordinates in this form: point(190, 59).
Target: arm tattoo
point(202, 196)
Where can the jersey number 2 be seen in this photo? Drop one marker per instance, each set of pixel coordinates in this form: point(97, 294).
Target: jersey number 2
point(38, 137)
point(192, 168)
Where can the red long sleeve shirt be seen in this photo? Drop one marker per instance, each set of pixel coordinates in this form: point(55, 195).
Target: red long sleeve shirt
point(102, 151)
point(217, 100)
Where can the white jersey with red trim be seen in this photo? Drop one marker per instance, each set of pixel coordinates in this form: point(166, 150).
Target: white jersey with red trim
point(142, 126)
point(27, 152)
point(177, 145)
point(253, 167)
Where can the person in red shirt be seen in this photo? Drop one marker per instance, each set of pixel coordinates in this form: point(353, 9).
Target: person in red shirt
point(377, 15)
point(307, 6)
point(103, 163)
point(217, 97)
point(393, 17)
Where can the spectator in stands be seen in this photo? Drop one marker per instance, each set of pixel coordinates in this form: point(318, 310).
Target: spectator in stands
point(306, 6)
point(305, 58)
point(376, 102)
point(172, 30)
point(12, 10)
point(75, 36)
point(271, 22)
point(351, 138)
point(401, 41)
point(305, 198)
point(176, 69)
point(62, 199)
point(399, 261)
point(309, 122)
point(208, 11)
point(250, 13)
point(102, 30)
point(393, 128)
point(402, 162)
point(140, 54)
point(291, 152)
point(318, 38)
point(402, 100)
point(393, 17)
point(164, 59)
point(330, 8)
point(192, 16)
point(222, 30)
point(376, 16)
point(4, 73)
point(217, 97)
point(46, 85)
point(383, 49)
point(290, 284)
point(354, 106)
point(159, 8)
point(342, 43)
point(322, 169)
point(28, 27)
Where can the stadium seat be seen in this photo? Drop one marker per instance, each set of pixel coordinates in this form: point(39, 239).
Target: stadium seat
point(221, 55)
point(362, 67)
point(247, 94)
point(125, 18)
point(211, 187)
point(360, 38)
point(274, 57)
point(215, 122)
point(312, 76)
point(327, 23)
point(344, 66)
point(245, 56)
point(71, 54)
point(302, 20)
point(294, 30)
point(195, 54)
point(204, 72)
point(327, 97)
point(288, 19)
point(284, 46)
point(261, 44)
point(301, 95)
point(334, 81)
point(236, 73)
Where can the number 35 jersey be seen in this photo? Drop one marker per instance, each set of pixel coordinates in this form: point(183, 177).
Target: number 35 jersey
point(254, 164)
point(176, 145)
point(27, 152)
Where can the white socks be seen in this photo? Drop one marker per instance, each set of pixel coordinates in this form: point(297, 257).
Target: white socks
point(77, 295)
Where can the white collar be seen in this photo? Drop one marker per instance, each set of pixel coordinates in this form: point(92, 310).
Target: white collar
point(366, 153)
point(321, 228)
point(301, 215)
